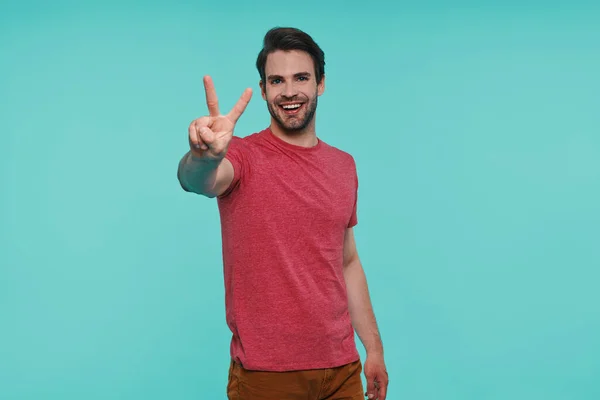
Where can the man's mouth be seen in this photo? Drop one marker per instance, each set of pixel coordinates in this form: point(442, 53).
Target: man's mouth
point(291, 108)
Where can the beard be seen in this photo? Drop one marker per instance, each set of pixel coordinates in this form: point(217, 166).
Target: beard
point(294, 123)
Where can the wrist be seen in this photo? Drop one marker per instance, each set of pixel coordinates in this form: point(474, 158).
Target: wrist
point(375, 350)
point(204, 160)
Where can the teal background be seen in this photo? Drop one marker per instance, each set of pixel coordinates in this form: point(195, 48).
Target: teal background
point(476, 131)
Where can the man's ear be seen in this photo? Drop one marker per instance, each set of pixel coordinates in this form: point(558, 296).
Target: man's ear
point(262, 90)
point(321, 86)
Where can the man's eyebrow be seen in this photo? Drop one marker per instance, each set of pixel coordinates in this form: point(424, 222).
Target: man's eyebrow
point(296, 75)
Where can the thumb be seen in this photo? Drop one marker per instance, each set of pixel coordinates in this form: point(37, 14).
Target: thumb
point(207, 135)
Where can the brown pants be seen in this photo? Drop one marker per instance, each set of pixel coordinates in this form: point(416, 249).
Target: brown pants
point(341, 383)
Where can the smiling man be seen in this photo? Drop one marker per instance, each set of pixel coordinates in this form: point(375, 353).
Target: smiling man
point(295, 288)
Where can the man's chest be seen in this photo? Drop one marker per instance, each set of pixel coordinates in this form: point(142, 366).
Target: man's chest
point(292, 191)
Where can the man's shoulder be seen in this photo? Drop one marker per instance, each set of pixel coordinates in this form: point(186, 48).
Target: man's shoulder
point(338, 152)
point(248, 140)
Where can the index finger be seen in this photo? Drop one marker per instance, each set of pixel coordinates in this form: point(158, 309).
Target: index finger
point(383, 393)
point(240, 106)
point(211, 97)
point(383, 389)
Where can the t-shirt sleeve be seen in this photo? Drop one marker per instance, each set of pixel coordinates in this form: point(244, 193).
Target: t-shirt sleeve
point(354, 217)
point(237, 155)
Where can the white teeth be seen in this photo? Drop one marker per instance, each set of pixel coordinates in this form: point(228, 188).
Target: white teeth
point(291, 106)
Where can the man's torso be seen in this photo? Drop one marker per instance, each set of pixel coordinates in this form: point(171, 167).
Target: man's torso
point(283, 225)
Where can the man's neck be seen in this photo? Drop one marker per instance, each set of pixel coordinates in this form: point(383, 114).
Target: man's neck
point(304, 138)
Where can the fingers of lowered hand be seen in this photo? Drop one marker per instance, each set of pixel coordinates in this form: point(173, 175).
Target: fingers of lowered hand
point(382, 379)
point(371, 389)
point(377, 382)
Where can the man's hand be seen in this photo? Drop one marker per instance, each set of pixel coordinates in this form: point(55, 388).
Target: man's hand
point(377, 377)
point(210, 136)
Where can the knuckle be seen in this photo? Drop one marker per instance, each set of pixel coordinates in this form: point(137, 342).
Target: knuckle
point(198, 122)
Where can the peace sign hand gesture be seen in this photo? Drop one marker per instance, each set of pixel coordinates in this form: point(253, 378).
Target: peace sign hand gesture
point(210, 136)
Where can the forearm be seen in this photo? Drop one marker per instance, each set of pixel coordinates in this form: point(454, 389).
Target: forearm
point(360, 308)
point(197, 176)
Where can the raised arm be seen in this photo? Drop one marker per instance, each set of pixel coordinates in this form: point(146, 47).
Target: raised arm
point(204, 169)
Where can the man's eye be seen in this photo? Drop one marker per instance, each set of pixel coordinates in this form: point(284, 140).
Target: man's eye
point(303, 78)
point(276, 81)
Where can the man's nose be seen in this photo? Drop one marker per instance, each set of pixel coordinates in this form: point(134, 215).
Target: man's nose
point(289, 89)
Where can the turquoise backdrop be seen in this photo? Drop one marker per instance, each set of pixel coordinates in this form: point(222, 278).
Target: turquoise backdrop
point(476, 131)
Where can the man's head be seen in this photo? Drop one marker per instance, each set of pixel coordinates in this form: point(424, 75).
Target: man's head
point(292, 76)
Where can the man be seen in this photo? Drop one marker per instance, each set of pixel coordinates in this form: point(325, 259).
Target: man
point(295, 288)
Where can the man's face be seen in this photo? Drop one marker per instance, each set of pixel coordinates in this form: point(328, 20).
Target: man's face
point(291, 89)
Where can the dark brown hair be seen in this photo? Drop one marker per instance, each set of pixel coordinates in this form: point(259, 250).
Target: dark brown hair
point(290, 39)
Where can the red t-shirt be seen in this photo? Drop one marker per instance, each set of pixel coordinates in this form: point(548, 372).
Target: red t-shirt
point(283, 221)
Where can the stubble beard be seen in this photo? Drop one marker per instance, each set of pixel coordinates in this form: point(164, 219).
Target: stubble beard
point(294, 125)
